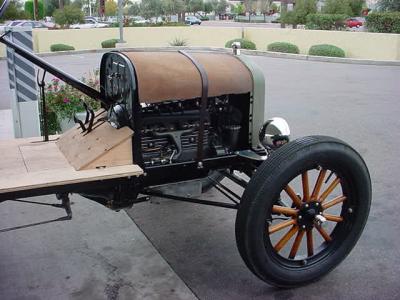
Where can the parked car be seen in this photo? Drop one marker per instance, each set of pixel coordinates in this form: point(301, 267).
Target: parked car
point(354, 22)
point(27, 23)
point(89, 23)
point(191, 20)
point(140, 20)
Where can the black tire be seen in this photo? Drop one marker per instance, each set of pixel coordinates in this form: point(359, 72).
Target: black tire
point(259, 203)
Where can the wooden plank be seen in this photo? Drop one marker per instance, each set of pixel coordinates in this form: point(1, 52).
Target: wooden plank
point(63, 176)
point(43, 156)
point(11, 161)
point(83, 149)
point(119, 156)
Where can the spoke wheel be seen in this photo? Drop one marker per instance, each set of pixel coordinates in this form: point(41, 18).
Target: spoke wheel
point(307, 213)
point(303, 211)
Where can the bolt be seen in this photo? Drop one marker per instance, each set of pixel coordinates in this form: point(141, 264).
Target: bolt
point(199, 165)
point(317, 204)
point(304, 226)
point(350, 210)
point(300, 217)
point(320, 212)
point(306, 206)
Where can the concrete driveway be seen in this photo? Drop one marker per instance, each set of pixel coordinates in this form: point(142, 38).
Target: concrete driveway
point(357, 103)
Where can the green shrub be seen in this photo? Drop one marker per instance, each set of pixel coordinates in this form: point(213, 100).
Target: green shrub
point(61, 47)
point(244, 44)
point(326, 50)
point(71, 14)
point(326, 21)
point(109, 43)
point(388, 22)
point(283, 47)
point(178, 42)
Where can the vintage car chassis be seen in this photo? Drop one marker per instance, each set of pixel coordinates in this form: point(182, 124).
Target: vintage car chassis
point(291, 186)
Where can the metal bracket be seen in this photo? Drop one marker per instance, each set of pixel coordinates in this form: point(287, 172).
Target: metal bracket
point(41, 84)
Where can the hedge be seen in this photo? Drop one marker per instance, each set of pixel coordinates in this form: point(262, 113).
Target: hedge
point(387, 22)
point(109, 43)
point(61, 47)
point(326, 50)
point(283, 47)
point(326, 21)
point(244, 44)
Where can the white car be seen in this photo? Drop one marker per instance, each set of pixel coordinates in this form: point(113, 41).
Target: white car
point(89, 23)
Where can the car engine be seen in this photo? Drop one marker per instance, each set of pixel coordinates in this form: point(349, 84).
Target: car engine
point(170, 129)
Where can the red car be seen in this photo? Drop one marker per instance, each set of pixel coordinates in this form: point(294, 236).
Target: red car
point(354, 22)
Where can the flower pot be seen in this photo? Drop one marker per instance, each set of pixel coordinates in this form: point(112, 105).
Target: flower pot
point(66, 124)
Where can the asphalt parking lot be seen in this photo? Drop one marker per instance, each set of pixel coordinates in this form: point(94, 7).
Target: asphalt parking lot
point(357, 103)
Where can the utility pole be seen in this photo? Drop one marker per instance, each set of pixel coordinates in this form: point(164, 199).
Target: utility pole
point(121, 22)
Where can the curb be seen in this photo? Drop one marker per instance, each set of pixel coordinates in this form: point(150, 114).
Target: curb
point(323, 58)
point(244, 51)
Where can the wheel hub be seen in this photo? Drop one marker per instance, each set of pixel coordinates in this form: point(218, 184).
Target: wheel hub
point(309, 214)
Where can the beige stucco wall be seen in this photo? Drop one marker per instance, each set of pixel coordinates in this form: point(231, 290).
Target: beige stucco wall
point(362, 45)
point(136, 37)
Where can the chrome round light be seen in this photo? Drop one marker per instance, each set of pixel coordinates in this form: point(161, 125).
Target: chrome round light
point(274, 133)
point(118, 116)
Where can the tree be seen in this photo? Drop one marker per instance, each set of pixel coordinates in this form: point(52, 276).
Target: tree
point(150, 8)
point(67, 16)
point(207, 7)
point(239, 9)
point(221, 7)
point(338, 7)
point(14, 11)
point(265, 7)
point(346, 7)
point(357, 6)
point(111, 8)
point(195, 6)
point(29, 9)
point(389, 5)
point(50, 6)
point(300, 12)
point(172, 7)
point(134, 9)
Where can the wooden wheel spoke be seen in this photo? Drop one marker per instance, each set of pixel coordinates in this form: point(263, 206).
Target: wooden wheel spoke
point(277, 209)
point(318, 184)
point(306, 188)
point(293, 196)
point(333, 218)
point(333, 202)
point(310, 243)
point(329, 190)
point(283, 241)
point(279, 226)
point(296, 244)
point(324, 234)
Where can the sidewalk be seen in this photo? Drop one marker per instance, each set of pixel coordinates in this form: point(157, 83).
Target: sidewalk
point(99, 254)
point(6, 124)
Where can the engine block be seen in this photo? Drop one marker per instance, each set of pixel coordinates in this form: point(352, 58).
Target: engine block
point(170, 130)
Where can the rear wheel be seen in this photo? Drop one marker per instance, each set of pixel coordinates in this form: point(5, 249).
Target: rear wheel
point(303, 211)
